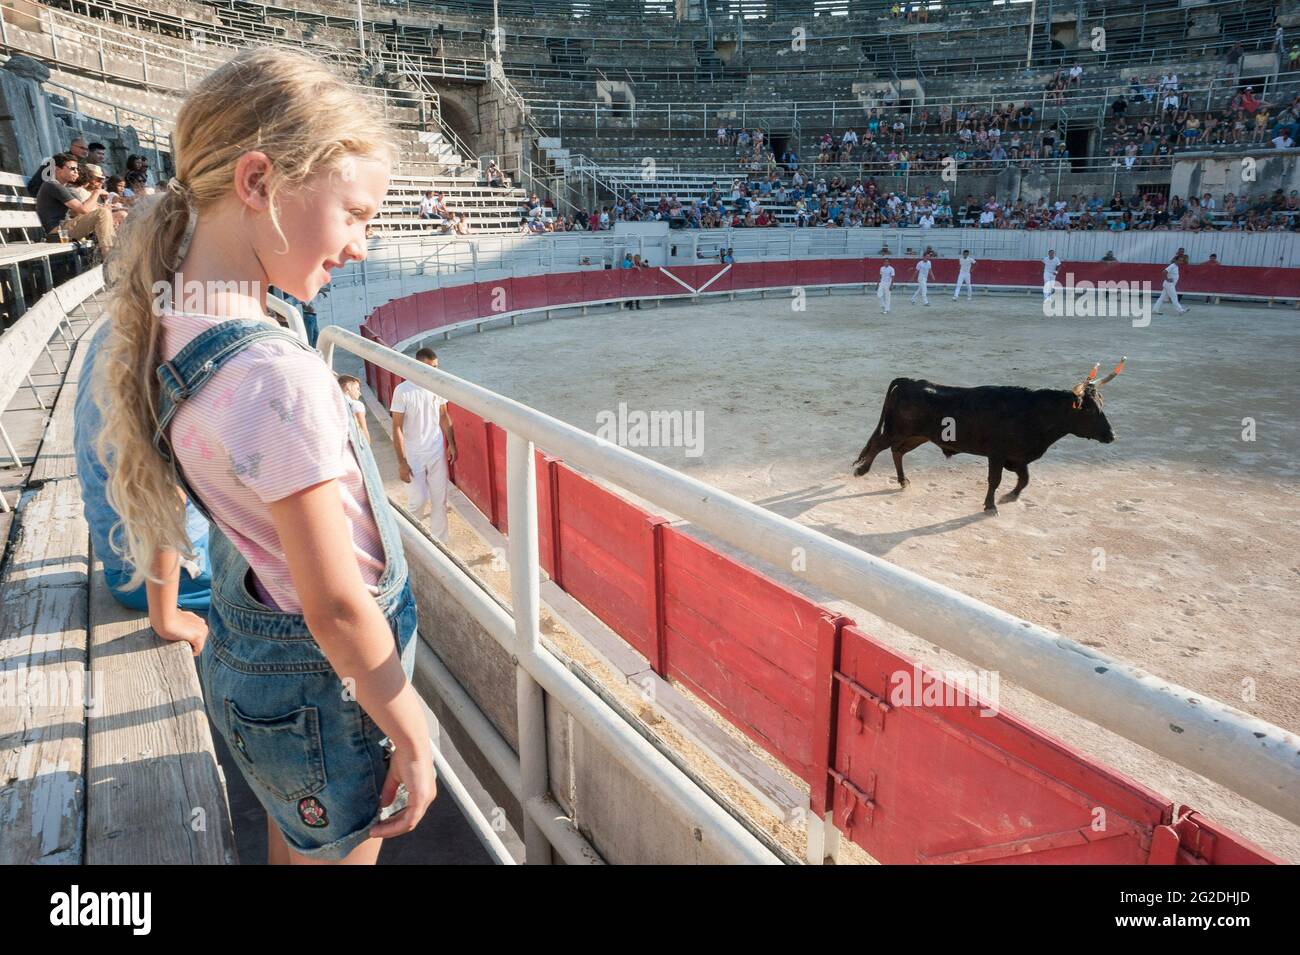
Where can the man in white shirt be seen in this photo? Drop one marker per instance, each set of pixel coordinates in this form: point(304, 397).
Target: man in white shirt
point(927, 220)
point(922, 280)
point(1169, 290)
point(425, 444)
point(886, 282)
point(964, 265)
point(427, 205)
point(1050, 266)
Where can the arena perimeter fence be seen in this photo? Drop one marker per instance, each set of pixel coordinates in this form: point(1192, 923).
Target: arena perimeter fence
point(932, 783)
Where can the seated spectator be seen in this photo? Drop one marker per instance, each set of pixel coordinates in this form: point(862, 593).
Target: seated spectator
point(57, 205)
point(140, 164)
point(77, 149)
point(427, 206)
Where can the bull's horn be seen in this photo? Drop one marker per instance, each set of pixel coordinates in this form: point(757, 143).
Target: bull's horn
point(1091, 375)
point(1118, 369)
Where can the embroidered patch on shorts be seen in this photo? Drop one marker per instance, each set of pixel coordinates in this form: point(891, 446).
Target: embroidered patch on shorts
point(312, 812)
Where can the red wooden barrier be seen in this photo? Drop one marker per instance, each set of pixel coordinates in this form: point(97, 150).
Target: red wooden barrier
point(429, 306)
point(472, 470)
point(744, 644)
point(530, 292)
point(1201, 842)
point(945, 784)
point(607, 557)
point(496, 297)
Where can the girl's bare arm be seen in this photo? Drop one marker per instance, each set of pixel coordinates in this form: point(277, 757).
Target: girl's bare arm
point(342, 615)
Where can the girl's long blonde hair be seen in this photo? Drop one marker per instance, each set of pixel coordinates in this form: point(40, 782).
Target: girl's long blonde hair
point(307, 121)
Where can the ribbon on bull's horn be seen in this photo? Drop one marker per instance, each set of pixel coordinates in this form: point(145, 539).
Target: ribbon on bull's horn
point(1118, 369)
point(1081, 386)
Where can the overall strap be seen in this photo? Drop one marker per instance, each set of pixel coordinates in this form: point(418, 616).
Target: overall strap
point(193, 366)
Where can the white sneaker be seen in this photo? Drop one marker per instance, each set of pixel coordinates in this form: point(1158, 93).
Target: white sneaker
point(1183, 311)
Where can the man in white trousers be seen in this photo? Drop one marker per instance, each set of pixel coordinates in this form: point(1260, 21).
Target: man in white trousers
point(1051, 264)
point(922, 280)
point(1169, 290)
point(886, 283)
point(425, 444)
point(964, 265)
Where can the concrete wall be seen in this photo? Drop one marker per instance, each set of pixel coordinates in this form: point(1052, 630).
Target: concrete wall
point(609, 804)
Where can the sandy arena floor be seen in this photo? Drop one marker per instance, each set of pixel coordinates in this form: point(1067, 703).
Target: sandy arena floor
point(1200, 528)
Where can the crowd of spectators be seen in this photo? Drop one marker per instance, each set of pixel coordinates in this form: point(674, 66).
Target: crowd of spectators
point(76, 197)
point(840, 203)
point(1169, 122)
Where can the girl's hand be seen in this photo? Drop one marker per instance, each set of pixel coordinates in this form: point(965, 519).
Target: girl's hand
point(414, 770)
point(183, 625)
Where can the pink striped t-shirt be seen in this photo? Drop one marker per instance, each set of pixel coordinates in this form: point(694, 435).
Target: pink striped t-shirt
point(271, 422)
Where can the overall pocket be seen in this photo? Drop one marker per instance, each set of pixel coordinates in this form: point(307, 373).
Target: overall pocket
point(284, 753)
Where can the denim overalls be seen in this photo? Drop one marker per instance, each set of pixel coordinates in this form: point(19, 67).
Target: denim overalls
point(315, 759)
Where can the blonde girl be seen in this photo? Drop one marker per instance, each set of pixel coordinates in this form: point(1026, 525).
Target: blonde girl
point(306, 670)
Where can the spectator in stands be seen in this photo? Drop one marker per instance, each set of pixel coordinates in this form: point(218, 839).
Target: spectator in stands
point(116, 199)
point(140, 164)
point(77, 149)
point(95, 153)
point(427, 206)
point(492, 175)
point(1233, 60)
point(1283, 140)
point(58, 206)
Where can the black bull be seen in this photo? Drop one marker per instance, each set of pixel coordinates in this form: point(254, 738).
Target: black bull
point(1010, 426)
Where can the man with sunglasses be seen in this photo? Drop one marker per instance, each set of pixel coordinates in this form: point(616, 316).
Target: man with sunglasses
point(85, 215)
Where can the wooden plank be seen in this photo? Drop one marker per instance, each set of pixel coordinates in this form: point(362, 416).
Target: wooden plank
point(19, 219)
point(75, 291)
point(57, 457)
point(155, 793)
point(23, 343)
point(43, 618)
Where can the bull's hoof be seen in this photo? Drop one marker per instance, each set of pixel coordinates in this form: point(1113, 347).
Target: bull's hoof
point(902, 485)
point(990, 508)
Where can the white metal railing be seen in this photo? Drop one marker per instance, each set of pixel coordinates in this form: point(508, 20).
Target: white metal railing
point(539, 671)
point(690, 116)
point(1247, 755)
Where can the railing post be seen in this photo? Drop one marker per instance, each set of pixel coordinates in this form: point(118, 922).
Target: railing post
point(54, 40)
point(525, 603)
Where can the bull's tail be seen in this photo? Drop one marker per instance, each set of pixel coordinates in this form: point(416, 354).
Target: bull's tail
point(878, 441)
